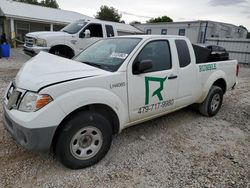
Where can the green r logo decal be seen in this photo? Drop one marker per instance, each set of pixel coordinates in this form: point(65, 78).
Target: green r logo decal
point(156, 92)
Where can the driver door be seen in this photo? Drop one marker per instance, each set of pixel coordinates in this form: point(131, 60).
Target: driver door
point(153, 91)
point(96, 33)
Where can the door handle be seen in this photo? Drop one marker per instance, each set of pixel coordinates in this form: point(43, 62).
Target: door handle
point(172, 77)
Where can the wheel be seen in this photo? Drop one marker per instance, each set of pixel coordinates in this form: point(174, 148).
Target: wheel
point(62, 52)
point(59, 52)
point(84, 140)
point(212, 104)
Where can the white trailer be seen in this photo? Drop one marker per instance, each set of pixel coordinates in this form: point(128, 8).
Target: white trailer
point(237, 48)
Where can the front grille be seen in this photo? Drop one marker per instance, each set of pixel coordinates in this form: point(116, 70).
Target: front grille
point(13, 97)
point(29, 41)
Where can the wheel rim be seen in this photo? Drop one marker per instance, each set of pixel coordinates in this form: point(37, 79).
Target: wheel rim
point(57, 52)
point(215, 102)
point(86, 143)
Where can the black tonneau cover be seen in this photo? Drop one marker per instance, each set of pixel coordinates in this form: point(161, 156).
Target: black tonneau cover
point(204, 55)
point(201, 54)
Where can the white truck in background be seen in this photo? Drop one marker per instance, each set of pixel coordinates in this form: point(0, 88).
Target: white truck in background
point(76, 105)
point(75, 37)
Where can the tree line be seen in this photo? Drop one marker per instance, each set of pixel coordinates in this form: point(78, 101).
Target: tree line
point(112, 14)
point(44, 3)
point(105, 12)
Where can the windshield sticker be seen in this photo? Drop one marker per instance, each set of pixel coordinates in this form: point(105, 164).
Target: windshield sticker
point(207, 67)
point(119, 55)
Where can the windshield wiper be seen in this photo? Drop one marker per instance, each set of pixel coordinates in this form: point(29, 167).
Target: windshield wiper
point(92, 64)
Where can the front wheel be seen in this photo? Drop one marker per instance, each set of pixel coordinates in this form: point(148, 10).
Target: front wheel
point(84, 140)
point(212, 104)
point(62, 51)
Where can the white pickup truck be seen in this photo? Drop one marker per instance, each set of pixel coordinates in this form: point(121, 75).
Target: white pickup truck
point(75, 106)
point(75, 37)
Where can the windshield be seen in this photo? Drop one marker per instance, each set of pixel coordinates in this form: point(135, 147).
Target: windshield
point(74, 27)
point(108, 54)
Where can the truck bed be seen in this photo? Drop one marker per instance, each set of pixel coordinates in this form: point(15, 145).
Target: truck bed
point(203, 55)
point(210, 71)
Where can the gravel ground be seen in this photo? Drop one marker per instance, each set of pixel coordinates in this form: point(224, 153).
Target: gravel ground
point(191, 151)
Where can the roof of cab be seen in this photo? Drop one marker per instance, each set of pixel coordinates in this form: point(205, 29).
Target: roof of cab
point(153, 36)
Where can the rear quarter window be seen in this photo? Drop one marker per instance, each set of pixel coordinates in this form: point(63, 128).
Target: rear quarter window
point(109, 30)
point(183, 53)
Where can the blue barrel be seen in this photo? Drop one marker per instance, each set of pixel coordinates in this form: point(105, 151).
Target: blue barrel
point(5, 50)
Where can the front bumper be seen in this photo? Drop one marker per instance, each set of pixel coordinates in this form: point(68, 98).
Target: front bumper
point(36, 139)
point(32, 51)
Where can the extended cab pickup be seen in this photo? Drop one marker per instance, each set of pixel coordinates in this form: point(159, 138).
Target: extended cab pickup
point(75, 37)
point(75, 106)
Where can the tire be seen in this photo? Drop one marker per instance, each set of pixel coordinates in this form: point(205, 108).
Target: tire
point(84, 140)
point(58, 52)
point(212, 104)
point(62, 52)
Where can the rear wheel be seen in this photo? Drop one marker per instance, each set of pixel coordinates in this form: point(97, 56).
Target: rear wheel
point(84, 140)
point(212, 104)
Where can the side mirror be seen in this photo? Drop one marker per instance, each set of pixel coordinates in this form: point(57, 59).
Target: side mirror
point(85, 34)
point(143, 66)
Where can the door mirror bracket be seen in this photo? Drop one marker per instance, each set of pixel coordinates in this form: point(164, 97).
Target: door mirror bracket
point(142, 66)
point(85, 34)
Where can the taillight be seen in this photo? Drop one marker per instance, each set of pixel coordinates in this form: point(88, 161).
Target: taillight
point(237, 70)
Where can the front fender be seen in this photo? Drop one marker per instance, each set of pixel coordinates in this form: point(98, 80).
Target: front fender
point(61, 44)
point(219, 74)
point(76, 99)
point(58, 41)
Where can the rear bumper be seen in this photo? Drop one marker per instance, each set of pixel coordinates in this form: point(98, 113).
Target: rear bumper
point(36, 139)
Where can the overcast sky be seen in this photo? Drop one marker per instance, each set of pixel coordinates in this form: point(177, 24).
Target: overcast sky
point(236, 12)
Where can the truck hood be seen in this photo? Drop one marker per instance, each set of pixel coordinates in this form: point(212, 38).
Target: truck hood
point(46, 69)
point(45, 34)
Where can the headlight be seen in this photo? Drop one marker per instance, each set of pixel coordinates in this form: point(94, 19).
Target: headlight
point(40, 42)
point(32, 102)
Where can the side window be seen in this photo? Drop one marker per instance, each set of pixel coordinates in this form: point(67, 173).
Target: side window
point(149, 31)
point(183, 53)
point(109, 30)
point(95, 30)
point(164, 31)
point(182, 32)
point(159, 53)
